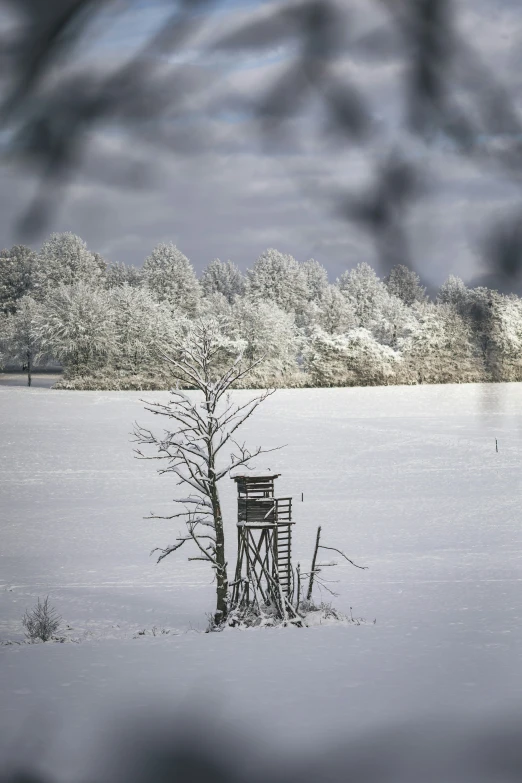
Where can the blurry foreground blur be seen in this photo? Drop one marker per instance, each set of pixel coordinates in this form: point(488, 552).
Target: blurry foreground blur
point(441, 750)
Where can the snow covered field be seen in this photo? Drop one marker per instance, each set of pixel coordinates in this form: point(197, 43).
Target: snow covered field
point(406, 480)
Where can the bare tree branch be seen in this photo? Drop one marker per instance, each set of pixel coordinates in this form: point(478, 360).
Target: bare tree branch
point(364, 568)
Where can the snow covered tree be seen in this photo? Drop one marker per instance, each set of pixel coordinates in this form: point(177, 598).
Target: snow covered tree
point(16, 276)
point(482, 312)
point(353, 359)
point(22, 338)
point(369, 363)
point(394, 321)
point(63, 260)
point(334, 313)
point(375, 308)
point(223, 277)
point(144, 329)
point(271, 342)
point(454, 292)
point(279, 278)
point(203, 448)
point(316, 279)
point(440, 348)
point(495, 321)
point(507, 337)
point(216, 306)
point(170, 276)
point(365, 293)
point(480, 308)
point(405, 284)
point(100, 263)
point(119, 274)
point(79, 327)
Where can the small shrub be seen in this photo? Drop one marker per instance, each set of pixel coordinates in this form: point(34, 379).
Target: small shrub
point(324, 613)
point(154, 631)
point(42, 622)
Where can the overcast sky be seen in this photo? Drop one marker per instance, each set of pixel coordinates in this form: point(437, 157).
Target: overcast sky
point(223, 191)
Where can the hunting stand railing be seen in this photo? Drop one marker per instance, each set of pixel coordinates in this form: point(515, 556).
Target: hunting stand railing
point(264, 575)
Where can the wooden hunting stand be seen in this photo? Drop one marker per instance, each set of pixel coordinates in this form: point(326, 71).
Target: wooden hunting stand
point(264, 575)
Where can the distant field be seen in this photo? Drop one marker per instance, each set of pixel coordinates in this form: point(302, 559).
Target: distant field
point(406, 480)
point(40, 380)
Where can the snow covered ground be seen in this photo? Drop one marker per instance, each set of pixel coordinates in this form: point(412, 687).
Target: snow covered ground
point(406, 480)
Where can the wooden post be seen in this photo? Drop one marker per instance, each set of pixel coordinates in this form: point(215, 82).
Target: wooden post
point(312, 570)
point(298, 569)
point(496, 445)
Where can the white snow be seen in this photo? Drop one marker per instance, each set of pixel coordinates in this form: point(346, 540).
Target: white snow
point(405, 480)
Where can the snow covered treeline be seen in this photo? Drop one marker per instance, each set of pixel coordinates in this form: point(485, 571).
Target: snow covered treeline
point(110, 325)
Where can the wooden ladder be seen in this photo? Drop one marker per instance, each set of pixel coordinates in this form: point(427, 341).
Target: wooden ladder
point(284, 559)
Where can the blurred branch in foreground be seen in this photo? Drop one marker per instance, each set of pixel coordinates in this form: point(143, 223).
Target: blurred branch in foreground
point(54, 98)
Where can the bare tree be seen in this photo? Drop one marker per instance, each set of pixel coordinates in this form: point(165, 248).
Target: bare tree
point(203, 448)
point(22, 339)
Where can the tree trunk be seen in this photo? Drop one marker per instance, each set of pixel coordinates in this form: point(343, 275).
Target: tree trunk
point(221, 563)
point(221, 613)
point(29, 368)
